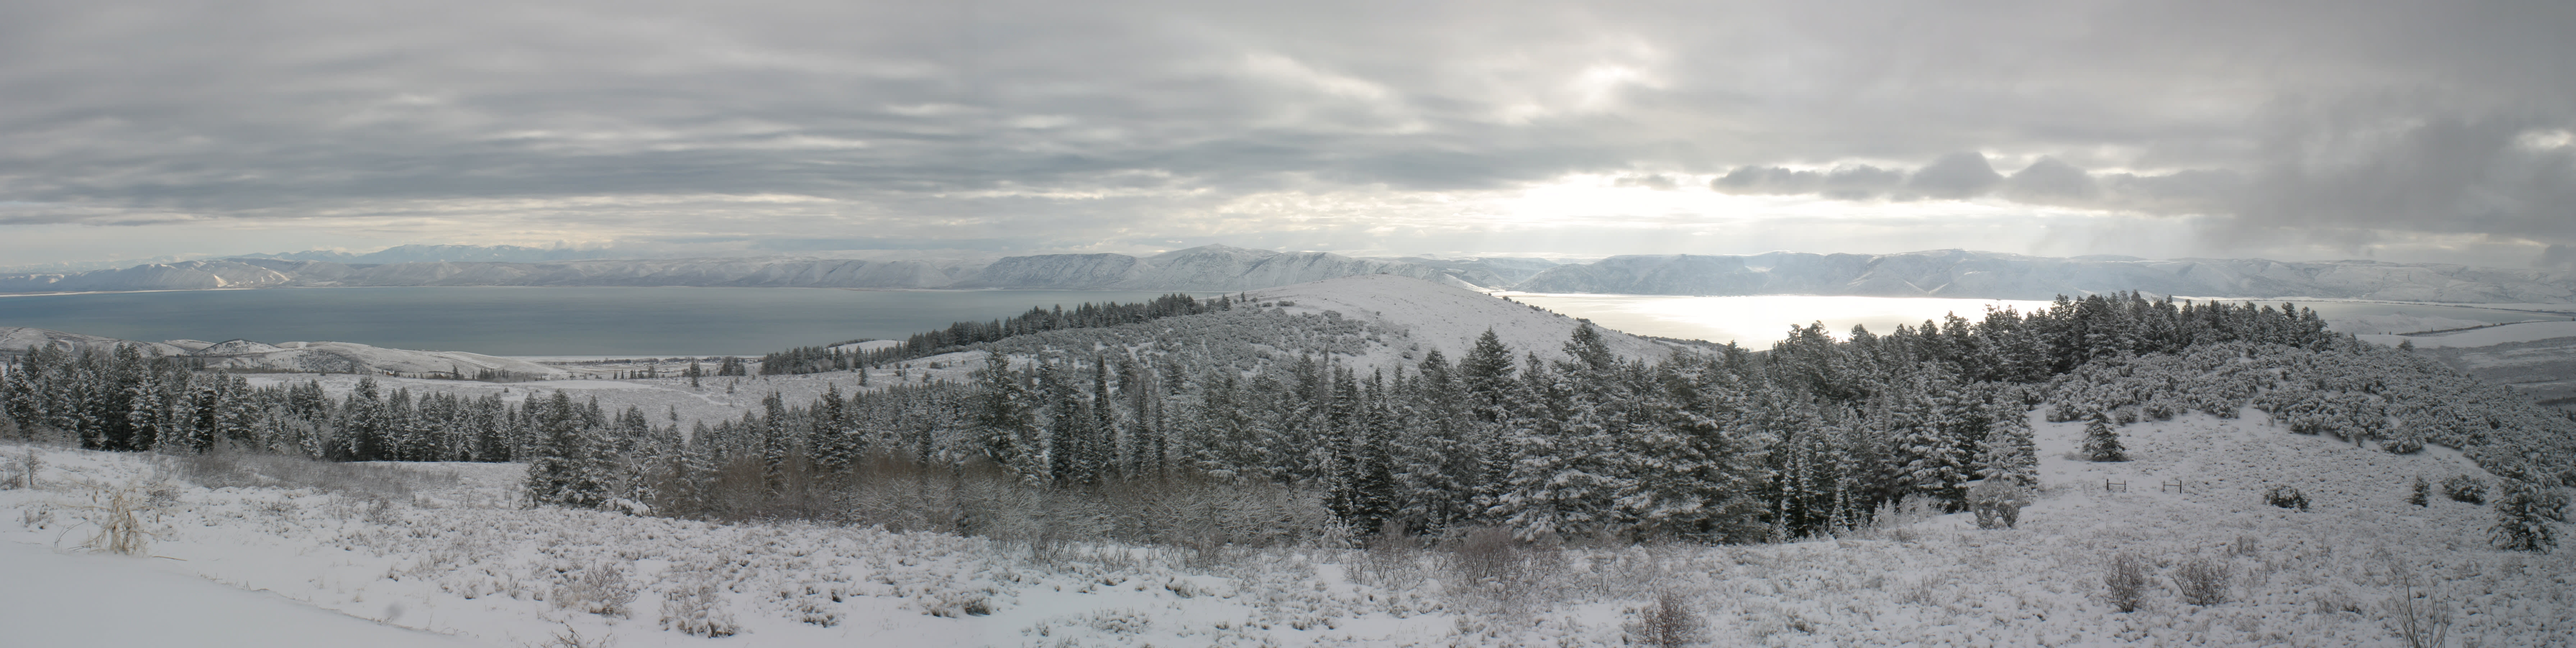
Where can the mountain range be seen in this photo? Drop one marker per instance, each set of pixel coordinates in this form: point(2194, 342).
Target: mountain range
point(1936, 273)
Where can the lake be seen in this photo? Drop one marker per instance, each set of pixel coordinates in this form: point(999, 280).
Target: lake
point(671, 321)
point(534, 321)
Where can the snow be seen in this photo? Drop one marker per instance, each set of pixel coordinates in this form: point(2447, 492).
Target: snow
point(461, 554)
point(1447, 317)
point(59, 599)
point(2483, 337)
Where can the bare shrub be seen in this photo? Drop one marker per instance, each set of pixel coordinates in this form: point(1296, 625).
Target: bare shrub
point(118, 513)
point(599, 588)
point(696, 608)
point(2203, 581)
point(2244, 547)
point(1666, 623)
point(1998, 503)
point(222, 469)
point(570, 637)
point(2126, 578)
point(20, 471)
point(1490, 563)
point(2413, 615)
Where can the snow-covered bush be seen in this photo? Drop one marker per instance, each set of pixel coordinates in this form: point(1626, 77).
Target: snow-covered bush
point(2285, 496)
point(696, 607)
point(2202, 581)
point(2464, 488)
point(2420, 492)
point(2523, 516)
point(602, 588)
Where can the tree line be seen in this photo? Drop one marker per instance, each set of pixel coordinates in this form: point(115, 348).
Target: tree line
point(1815, 436)
point(819, 359)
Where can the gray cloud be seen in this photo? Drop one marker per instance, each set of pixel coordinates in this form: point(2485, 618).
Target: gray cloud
point(1068, 125)
point(1957, 175)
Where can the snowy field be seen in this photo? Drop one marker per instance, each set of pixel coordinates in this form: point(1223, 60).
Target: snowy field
point(452, 552)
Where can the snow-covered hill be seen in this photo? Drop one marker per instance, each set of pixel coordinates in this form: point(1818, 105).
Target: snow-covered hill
point(1447, 317)
point(312, 357)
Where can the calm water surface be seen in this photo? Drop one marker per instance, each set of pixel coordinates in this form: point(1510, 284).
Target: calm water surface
point(533, 321)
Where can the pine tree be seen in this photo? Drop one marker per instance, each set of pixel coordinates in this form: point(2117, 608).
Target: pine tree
point(2420, 493)
point(836, 445)
point(2523, 513)
point(2101, 441)
point(1003, 418)
point(2008, 452)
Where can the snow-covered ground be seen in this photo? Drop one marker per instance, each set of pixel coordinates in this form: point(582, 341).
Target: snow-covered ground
point(452, 550)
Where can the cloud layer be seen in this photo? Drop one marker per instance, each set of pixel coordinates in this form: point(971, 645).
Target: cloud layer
point(2285, 128)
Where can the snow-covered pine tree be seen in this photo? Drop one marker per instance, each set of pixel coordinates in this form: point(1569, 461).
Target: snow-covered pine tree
point(2101, 441)
point(1003, 419)
point(2523, 512)
point(2008, 452)
point(1440, 466)
point(836, 445)
point(1935, 431)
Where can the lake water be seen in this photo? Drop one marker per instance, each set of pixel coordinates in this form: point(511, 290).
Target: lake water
point(526, 321)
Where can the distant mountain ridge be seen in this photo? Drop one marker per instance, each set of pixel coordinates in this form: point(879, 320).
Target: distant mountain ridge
point(1936, 273)
point(1207, 268)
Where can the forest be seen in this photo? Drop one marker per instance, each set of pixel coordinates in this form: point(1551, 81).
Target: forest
point(1207, 421)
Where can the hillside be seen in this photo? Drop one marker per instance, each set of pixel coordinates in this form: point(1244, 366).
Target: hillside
point(1445, 317)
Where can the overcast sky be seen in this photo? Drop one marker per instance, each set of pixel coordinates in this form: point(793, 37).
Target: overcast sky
point(2433, 131)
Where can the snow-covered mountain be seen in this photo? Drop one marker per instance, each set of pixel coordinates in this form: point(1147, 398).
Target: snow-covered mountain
point(318, 357)
point(1991, 275)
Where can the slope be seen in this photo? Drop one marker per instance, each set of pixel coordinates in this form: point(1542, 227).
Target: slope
point(1448, 318)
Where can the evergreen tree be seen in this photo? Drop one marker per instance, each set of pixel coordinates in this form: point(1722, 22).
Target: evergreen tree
point(1003, 418)
point(2101, 441)
point(2008, 453)
point(2523, 513)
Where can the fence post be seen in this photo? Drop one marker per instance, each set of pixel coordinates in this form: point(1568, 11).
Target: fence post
point(2108, 486)
point(2176, 486)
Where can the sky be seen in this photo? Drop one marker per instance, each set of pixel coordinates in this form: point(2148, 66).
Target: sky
point(2416, 132)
